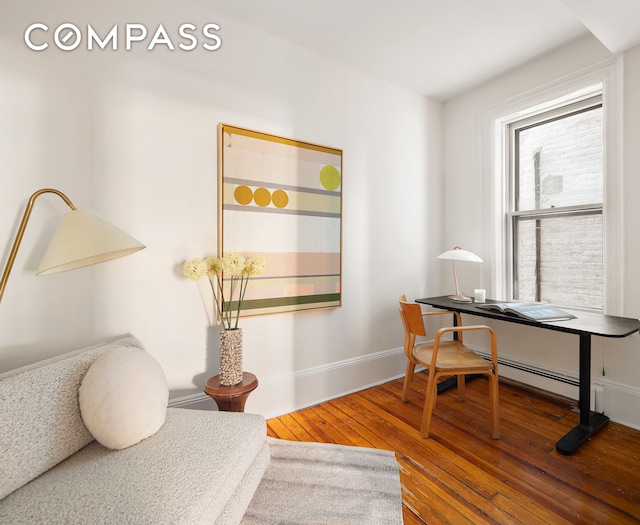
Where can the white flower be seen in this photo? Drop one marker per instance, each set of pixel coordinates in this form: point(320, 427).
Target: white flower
point(229, 274)
point(215, 265)
point(195, 269)
point(234, 264)
point(255, 266)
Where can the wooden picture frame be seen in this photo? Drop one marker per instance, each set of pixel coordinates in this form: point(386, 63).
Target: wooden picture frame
point(281, 199)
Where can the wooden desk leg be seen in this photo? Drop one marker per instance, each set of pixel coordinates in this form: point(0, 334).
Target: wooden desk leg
point(589, 423)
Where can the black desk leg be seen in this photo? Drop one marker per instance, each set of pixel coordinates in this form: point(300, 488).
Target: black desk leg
point(589, 423)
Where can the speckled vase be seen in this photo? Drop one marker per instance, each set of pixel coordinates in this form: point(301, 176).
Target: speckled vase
point(231, 357)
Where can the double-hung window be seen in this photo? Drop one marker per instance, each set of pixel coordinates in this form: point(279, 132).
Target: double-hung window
point(554, 222)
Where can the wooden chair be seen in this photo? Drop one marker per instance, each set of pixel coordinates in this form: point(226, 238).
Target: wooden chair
point(446, 358)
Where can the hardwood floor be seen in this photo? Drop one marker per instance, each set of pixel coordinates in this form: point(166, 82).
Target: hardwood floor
point(460, 475)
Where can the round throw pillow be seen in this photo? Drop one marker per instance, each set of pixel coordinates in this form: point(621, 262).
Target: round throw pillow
point(123, 397)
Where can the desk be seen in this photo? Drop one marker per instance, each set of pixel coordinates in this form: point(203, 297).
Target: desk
point(584, 326)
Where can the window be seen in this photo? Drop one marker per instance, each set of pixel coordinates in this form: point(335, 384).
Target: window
point(555, 213)
point(512, 151)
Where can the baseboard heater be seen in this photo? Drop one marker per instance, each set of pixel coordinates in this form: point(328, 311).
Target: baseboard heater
point(541, 372)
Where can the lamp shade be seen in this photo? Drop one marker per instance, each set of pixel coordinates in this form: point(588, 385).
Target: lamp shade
point(458, 254)
point(84, 238)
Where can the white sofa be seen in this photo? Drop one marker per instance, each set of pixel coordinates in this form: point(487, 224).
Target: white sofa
point(199, 467)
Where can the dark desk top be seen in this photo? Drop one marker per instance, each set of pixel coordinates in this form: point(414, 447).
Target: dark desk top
point(586, 322)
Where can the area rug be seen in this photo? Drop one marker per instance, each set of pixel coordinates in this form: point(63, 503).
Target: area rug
point(325, 484)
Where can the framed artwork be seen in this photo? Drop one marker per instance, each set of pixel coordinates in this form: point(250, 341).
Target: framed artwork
point(281, 199)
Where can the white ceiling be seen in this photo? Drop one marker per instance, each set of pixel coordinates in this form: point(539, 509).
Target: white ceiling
point(438, 48)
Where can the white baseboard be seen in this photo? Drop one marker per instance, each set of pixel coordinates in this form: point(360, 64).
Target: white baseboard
point(286, 393)
point(619, 402)
point(188, 401)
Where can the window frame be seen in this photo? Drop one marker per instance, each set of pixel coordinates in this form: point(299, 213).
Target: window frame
point(605, 77)
point(513, 213)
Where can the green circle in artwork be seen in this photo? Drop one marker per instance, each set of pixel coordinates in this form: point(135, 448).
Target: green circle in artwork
point(330, 178)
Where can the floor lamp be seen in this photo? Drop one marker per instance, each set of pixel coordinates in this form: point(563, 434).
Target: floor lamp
point(82, 238)
point(458, 254)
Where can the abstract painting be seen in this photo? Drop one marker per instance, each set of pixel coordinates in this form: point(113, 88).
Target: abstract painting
point(281, 199)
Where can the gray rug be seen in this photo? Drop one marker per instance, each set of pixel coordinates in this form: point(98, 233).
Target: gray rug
point(315, 483)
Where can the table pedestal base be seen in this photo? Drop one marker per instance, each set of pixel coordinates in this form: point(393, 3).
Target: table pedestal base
point(570, 442)
point(231, 398)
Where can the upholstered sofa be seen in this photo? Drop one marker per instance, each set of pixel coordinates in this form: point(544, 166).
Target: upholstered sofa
point(183, 466)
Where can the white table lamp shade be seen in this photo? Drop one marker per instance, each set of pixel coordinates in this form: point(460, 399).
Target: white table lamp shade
point(458, 254)
point(84, 238)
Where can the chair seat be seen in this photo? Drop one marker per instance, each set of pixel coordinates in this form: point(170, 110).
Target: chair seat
point(451, 355)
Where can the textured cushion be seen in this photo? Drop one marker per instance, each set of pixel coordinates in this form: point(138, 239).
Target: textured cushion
point(123, 397)
point(41, 423)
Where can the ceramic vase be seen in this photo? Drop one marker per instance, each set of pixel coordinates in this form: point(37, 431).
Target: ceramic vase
point(231, 357)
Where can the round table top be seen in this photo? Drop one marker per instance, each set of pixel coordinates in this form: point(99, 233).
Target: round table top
point(248, 383)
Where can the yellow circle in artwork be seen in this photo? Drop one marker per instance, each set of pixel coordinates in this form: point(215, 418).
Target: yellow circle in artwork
point(243, 195)
point(280, 199)
point(330, 178)
point(262, 197)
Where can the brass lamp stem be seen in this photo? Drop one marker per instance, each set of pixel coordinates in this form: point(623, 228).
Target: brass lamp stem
point(455, 278)
point(23, 225)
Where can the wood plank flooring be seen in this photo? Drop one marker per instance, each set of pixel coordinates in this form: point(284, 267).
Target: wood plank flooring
point(462, 476)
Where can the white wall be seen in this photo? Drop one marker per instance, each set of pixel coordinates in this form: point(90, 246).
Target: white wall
point(132, 135)
point(466, 180)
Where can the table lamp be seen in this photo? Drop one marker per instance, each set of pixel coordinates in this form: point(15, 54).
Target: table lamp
point(82, 238)
point(458, 254)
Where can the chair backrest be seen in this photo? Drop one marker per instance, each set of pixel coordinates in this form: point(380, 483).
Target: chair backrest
point(411, 314)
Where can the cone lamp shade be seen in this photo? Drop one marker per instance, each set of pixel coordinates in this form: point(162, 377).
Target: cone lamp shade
point(84, 238)
point(81, 239)
point(458, 254)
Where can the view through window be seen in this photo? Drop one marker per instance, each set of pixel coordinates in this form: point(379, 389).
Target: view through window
point(556, 210)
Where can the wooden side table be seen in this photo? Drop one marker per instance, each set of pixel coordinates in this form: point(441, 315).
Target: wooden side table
point(231, 398)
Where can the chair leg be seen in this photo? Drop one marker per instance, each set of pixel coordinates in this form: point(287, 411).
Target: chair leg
point(408, 377)
point(429, 405)
point(495, 406)
point(461, 389)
